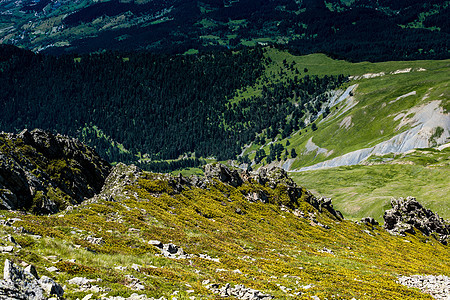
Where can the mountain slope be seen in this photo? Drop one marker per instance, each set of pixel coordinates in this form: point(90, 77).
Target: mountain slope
point(267, 99)
point(264, 233)
point(357, 30)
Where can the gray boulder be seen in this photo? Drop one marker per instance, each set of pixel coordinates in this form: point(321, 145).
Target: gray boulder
point(25, 284)
point(19, 284)
point(51, 287)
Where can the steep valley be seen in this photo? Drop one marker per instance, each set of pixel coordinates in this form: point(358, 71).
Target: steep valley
point(242, 149)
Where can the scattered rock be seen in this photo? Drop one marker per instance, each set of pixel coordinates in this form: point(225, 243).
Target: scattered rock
point(326, 250)
point(95, 240)
point(134, 283)
point(238, 291)
point(436, 286)
point(156, 243)
point(172, 251)
point(7, 249)
point(408, 215)
point(52, 269)
point(80, 281)
point(134, 296)
point(206, 256)
point(85, 284)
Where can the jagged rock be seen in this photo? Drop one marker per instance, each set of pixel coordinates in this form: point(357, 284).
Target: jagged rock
point(37, 166)
point(324, 203)
point(272, 176)
point(369, 221)
point(32, 270)
point(19, 284)
point(408, 215)
point(198, 181)
point(223, 173)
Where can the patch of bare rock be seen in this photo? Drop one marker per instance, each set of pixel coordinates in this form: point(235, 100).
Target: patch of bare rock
point(436, 286)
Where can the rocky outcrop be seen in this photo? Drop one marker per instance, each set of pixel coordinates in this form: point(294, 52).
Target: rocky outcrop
point(408, 215)
point(368, 221)
point(271, 177)
point(224, 174)
point(26, 285)
point(43, 172)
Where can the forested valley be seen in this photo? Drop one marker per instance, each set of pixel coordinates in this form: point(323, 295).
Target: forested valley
point(149, 107)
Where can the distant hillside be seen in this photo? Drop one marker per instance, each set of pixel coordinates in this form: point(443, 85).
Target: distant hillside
point(384, 107)
point(356, 30)
point(257, 106)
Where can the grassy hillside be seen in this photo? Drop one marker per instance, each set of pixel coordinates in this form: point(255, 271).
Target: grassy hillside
point(365, 190)
point(373, 111)
point(262, 245)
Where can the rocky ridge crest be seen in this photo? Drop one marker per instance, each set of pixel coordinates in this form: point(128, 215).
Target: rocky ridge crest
point(269, 177)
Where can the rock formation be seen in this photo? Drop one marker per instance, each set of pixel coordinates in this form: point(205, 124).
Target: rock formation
point(26, 284)
point(268, 177)
point(408, 215)
point(43, 172)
